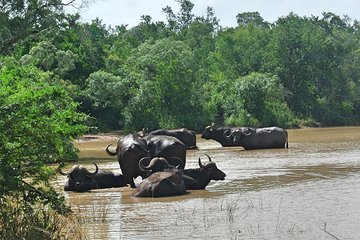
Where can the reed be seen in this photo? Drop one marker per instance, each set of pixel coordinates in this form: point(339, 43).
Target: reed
point(21, 221)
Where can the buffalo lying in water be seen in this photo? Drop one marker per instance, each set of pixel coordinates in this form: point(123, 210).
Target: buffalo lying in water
point(248, 138)
point(81, 180)
point(195, 178)
point(165, 179)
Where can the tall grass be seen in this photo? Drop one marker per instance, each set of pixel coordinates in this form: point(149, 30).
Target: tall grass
point(21, 221)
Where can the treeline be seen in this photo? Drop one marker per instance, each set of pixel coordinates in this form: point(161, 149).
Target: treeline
point(190, 71)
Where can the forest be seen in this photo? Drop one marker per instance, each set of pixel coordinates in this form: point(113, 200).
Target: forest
point(60, 77)
point(190, 71)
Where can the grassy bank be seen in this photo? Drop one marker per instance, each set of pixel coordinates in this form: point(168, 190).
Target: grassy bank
point(19, 220)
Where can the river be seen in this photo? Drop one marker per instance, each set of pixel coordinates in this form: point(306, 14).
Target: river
point(309, 191)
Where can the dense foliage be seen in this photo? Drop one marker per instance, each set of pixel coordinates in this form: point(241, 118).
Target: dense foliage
point(190, 71)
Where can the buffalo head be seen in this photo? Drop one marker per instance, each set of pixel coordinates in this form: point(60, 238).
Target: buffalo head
point(211, 170)
point(238, 135)
point(80, 179)
point(209, 132)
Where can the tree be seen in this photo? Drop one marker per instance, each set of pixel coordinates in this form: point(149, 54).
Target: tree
point(38, 123)
point(26, 21)
point(164, 94)
point(258, 100)
point(310, 54)
point(107, 94)
point(246, 18)
point(183, 18)
point(48, 58)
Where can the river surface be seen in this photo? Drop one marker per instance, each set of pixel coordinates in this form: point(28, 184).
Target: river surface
point(309, 191)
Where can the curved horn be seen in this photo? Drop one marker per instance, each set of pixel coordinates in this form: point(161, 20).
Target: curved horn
point(247, 134)
point(227, 133)
point(179, 161)
point(68, 172)
point(91, 174)
point(111, 153)
point(145, 168)
point(200, 164)
point(208, 157)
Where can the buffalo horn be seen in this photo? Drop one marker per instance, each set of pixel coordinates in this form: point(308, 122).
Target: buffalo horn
point(111, 153)
point(200, 164)
point(179, 161)
point(227, 133)
point(208, 157)
point(247, 134)
point(91, 174)
point(68, 172)
point(145, 168)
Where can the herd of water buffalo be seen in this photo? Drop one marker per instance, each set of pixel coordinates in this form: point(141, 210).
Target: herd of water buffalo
point(159, 157)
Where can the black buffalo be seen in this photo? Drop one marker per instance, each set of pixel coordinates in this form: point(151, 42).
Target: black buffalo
point(81, 180)
point(199, 178)
point(259, 138)
point(188, 137)
point(130, 149)
point(196, 178)
point(220, 135)
point(161, 184)
point(168, 147)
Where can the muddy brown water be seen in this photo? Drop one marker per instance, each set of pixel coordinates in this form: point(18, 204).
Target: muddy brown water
point(309, 191)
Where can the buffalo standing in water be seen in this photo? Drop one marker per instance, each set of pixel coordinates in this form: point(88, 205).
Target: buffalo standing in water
point(258, 138)
point(81, 180)
point(187, 136)
point(248, 138)
point(130, 149)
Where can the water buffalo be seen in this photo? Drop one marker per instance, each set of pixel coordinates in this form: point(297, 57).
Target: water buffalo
point(199, 178)
point(167, 147)
point(188, 137)
point(130, 149)
point(161, 184)
point(165, 179)
point(220, 135)
point(196, 178)
point(258, 138)
point(81, 180)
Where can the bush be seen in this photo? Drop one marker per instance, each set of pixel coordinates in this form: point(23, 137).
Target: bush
point(38, 123)
point(258, 100)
